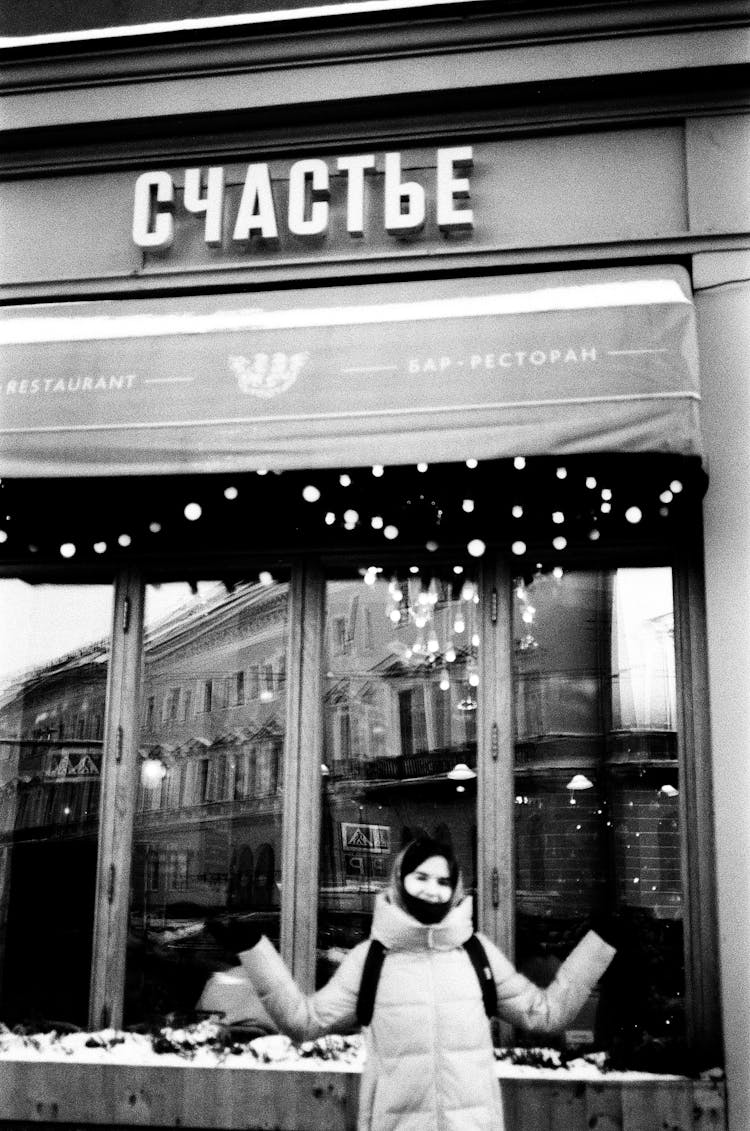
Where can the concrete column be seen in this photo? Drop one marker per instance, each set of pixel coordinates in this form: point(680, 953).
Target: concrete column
point(722, 286)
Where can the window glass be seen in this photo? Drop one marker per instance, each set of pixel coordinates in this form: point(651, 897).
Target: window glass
point(207, 833)
point(400, 748)
point(54, 653)
point(596, 796)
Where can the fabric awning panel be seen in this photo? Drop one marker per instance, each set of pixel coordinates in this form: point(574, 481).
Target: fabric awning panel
point(388, 373)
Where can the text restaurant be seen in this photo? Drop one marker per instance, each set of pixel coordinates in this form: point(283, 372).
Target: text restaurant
point(299, 564)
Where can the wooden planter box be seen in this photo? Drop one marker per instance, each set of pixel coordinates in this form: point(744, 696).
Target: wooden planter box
point(250, 1099)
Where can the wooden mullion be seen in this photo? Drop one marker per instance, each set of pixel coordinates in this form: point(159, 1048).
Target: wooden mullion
point(302, 778)
point(696, 806)
point(495, 815)
point(117, 803)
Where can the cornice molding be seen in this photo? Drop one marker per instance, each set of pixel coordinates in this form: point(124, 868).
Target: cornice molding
point(295, 42)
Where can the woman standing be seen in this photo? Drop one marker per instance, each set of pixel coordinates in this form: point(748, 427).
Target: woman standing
point(429, 1058)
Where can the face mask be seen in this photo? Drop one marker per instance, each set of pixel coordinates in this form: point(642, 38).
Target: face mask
point(423, 911)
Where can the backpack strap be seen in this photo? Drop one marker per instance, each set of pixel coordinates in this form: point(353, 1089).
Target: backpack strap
point(481, 964)
point(370, 977)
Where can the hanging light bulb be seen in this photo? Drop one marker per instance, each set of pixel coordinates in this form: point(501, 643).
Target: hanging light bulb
point(445, 682)
point(450, 654)
point(459, 625)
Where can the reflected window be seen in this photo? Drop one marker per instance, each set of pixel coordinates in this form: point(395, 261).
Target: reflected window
point(596, 789)
point(207, 835)
point(54, 654)
point(400, 702)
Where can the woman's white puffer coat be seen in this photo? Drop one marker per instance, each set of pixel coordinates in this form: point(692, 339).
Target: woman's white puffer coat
point(430, 1064)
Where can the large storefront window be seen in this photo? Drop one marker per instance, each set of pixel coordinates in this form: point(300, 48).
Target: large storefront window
point(207, 832)
point(400, 749)
point(596, 789)
point(54, 654)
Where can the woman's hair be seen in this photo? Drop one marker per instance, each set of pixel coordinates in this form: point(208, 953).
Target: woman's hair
point(409, 859)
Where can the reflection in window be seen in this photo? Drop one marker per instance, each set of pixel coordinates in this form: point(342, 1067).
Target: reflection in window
point(54, 652)
point(399, 711)
point(596, 788)
point(207, 836)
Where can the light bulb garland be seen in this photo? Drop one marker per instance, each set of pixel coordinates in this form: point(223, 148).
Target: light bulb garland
point(468, 509)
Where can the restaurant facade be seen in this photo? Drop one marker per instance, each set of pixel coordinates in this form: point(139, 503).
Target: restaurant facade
point(373, 441)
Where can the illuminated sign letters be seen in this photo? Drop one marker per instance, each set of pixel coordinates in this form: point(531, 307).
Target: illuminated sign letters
point(254, 211)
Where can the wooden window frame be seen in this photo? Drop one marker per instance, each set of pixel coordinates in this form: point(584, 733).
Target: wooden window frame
point(495, 815)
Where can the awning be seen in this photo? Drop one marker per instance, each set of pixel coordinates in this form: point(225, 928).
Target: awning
point(554, 364)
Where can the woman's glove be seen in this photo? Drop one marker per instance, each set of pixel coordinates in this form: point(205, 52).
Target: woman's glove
point(233, 935)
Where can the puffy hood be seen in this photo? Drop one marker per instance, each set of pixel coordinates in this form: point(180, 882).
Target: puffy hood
point(397, 930)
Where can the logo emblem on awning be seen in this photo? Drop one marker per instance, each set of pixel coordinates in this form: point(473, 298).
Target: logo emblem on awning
point(265, 374)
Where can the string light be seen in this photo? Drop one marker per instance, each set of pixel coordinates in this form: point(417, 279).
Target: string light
point(310, 493)
point(124, 540)
point(519, 463)
point(476, 547)
point(193, 512)
point(518, 548)
point(472, 463)
point(422, 467)
point(155, 527)
point(345, 480)
point(67, 550)
point(468, 506)
point(390, 532)
point(231, 493)
point(378, 470)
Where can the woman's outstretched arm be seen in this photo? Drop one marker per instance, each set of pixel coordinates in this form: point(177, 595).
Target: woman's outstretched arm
point(523, 1003)
point(303, 1017)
